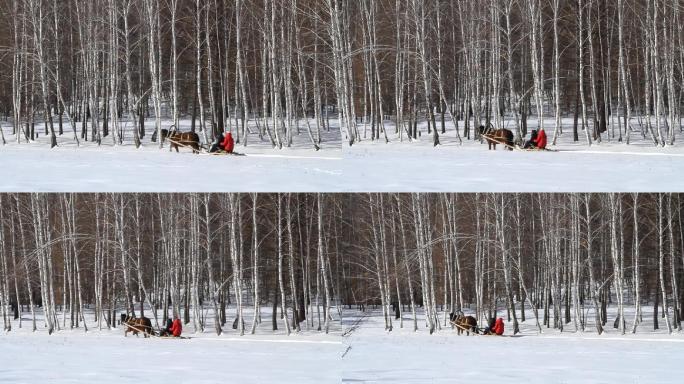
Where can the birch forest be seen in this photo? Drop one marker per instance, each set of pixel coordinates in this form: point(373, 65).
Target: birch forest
point(574, 262)
point(73, 261)
point(87, 70)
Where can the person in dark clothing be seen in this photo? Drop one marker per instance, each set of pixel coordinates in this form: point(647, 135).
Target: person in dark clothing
point(490, 327)
point(166, 331)
point(216, 145)
point(529, 144)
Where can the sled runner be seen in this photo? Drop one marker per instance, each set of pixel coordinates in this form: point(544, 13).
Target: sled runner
point(535, 149)
point(174, 337)
point(222, 153)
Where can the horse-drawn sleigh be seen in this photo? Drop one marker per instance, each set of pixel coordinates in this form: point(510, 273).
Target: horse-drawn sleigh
point(505, 138)
point(468, 324)
point(143, 325)
point(189, 140)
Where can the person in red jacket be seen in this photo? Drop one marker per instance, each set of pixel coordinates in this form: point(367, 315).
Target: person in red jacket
point(540, 142)
point(228, 143)
point(499, 327)
point(176, 327)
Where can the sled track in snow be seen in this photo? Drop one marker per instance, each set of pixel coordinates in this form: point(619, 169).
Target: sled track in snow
point(348, 332)
point(354, 326)
point(346, 351)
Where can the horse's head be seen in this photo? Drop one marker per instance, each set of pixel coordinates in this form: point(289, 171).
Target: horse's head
point(125, 318)
point(164, 135)
point(482, 130)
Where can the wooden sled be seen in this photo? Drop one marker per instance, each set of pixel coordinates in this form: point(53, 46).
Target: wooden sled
point(222, 153)
point(535, 149)
point(173, 337)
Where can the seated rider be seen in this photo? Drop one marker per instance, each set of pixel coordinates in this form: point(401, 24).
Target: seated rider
point(489, 329)
point(176, 327)
point(531, 142)
point(216, 145)
point(228, 143)
point(167, 330)
point(498, 327)
point(540, 142)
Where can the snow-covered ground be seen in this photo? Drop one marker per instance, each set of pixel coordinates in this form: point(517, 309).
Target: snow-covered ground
point(402, 356)
point(34, 167)
point(417, 166)
point(398, 166)
point(106, 356)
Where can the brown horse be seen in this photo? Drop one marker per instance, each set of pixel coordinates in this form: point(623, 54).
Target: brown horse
point(463, 323)
point(183, 139)
point(135, 325)
point(497, 136)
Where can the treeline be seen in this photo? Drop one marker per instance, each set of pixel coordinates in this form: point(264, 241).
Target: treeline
point(88, 68)
point(576, 261)
point(615, 66)
point(75, 261)
point(285, 67)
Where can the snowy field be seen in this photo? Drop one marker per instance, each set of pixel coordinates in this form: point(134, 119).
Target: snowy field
point(35, 167)
point(367, 166)
point(469, 167)
point(375, 356)
point(106, 356)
